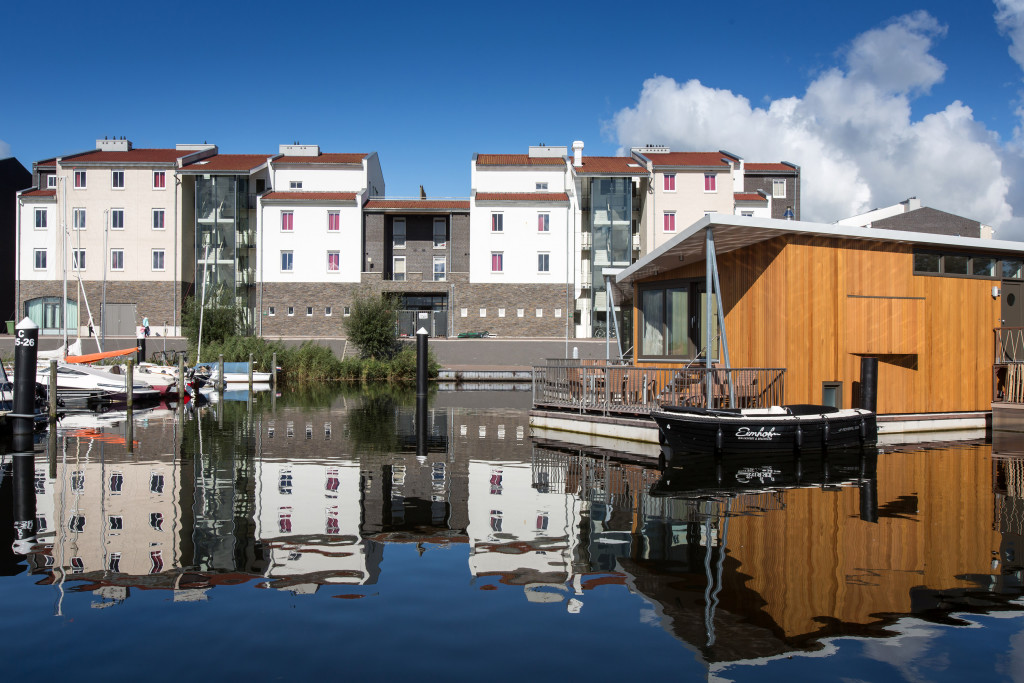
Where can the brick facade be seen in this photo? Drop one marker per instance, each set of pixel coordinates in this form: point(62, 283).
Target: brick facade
point(762, 180)
point(155, 300)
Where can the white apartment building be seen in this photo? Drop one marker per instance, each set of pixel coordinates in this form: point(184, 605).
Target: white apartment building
point(109, 219)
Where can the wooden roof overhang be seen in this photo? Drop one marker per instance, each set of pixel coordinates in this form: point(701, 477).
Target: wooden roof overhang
point(736, 232)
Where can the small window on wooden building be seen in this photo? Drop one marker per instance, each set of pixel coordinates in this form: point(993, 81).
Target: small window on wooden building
point(832, 394)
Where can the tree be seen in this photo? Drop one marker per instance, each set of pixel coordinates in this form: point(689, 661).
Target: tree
point(371, 326)
point(220, 320)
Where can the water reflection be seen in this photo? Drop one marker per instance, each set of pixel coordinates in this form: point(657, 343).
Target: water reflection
point(738, 561)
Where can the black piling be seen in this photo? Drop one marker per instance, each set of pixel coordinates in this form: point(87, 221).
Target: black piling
point(421, 392)
point(140, 355)
point(869, 384)
point(26, 340)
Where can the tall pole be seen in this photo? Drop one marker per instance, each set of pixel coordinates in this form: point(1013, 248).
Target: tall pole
point(421, 392)
point(709, 250)
point(103, 304)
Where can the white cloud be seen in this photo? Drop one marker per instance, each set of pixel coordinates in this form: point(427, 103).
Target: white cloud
point(5, 150)
point(851, 132)
point(1010, 20)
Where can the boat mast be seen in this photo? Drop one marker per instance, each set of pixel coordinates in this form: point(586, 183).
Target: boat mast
point(711, 278)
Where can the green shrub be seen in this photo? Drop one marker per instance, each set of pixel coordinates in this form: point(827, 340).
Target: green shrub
point(371, 326)
point(374, 370)
point(312, 363)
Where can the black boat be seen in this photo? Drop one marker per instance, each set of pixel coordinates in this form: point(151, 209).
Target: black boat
point(779, 429)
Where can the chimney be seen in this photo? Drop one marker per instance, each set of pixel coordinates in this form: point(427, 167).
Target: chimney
point(577, 153)
point(911, 204)
point(423, 194)
point(115, 145)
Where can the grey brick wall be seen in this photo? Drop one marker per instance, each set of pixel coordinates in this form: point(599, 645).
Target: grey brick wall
point(373, 236)
point(154, 300)
point(753, 183)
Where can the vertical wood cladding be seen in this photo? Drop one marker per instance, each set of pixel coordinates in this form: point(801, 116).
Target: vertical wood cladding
point(793, 302)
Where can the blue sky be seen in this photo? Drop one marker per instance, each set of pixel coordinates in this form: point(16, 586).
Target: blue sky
point(427, 85)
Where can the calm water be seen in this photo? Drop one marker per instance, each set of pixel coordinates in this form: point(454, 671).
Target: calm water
point(313, 538)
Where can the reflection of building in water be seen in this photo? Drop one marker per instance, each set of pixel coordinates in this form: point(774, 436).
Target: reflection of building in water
point(307, 519)
point(1008, 486)
point(107, 511)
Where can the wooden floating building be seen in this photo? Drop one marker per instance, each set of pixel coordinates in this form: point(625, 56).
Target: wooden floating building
point(803, 303)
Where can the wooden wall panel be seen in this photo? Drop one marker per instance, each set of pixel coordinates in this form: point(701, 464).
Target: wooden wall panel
point(884, 325)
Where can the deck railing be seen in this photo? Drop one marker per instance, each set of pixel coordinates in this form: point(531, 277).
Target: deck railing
point(595, 386)
point(1009, 344)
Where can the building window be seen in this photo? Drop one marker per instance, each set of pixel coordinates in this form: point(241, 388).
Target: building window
point(158, 219)
point(76, 523)
point(748, 214)
point(440, 234)
point(117, 219)
point(78, 259)
point(497, 222)
point(290, 310)
point(309, 310)
point(543, 263)
point(463, 312)
point(520, 312)
point(287, 221)
point(271, 311)
point(295, 185)
point(117, 180)
point(710, 182)
point(114, 563)
point(439, 268)
point(543, 222)
point(156, 482)
point(483, 312)
point(778, 189)
point(398, 233)
point(159, 180)
point(497, 262)
point(117, 259)
point(673, 320)
point(78, 219)
point(115, 522)
point(982, 266)
point(39, 259)
point(327, 311)
point(540, 312)
point(670, 221)
point(670, 182)
point(541, 187)
point(398, 269)
point(51, 181)
point(832, 394)
point(40, 218)
point(287, 261)
point(346, 311)
point(333, 261)
point(158, 259)
point(558, 312)
point(333, 221)
point(116, 482)
point(501, 312)
point(79, 180)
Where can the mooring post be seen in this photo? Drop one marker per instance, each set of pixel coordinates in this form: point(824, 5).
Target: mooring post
point(25, 353)
point(221, 379)
point(140, 354)
point(129, 386)
point(273, 372)
point(250, 373)
point(869, 384)
point(421, 362)
point(52, 391)
point(181, 380)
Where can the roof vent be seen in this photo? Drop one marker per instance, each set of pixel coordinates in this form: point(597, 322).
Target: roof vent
point(298, 150)
point(114, 145)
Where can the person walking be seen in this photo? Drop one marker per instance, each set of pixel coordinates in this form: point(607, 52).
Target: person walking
point(145, 325)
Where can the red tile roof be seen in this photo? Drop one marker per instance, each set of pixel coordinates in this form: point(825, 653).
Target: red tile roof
point(311, 196)
point(537, 197)
point(749, 197)
point(608, 165)
point(688, 159)
point(39, 193)
point(46, 163)
point(769, 167)
point(243, 163)
point(517, 160)
point(322, 159)
point(138, 156)
point(425, 204)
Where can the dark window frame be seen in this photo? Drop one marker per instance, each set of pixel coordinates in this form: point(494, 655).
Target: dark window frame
point(970, 256)
point(695, 288)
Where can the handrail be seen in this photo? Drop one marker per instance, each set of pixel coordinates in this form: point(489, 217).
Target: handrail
point(589, 385)
point(1009, 344)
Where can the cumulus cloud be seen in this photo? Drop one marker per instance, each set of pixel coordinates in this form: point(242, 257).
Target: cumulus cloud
point(851, 132)
point(1010, 20)
point(5, 150)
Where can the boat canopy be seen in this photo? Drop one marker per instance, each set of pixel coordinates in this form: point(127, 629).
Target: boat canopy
point(93, 357)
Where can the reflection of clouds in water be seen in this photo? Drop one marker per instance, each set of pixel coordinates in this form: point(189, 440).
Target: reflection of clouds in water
point(1013, 664)
point(650, 617)
point(910, 652)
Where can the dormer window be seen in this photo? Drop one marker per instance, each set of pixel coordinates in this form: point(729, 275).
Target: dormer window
point(51, 181)
point(295, 185)
point(542, 187)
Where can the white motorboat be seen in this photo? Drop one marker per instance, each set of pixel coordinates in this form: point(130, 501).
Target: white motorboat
point(92, 384)
point(234, 373)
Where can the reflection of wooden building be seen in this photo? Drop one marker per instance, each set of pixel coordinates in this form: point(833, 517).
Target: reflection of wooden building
point(816, 298)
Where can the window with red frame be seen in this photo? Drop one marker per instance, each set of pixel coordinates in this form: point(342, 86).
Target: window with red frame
point(287, 221)
point(710, 182)
point(79, 180)
point(670, 182)
point(159, 180)
point(333, 261)
point(333, 221)
point(670, 221)
point(497, 262)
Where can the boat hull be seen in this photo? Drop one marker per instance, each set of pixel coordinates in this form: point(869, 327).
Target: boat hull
point(804, 428)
